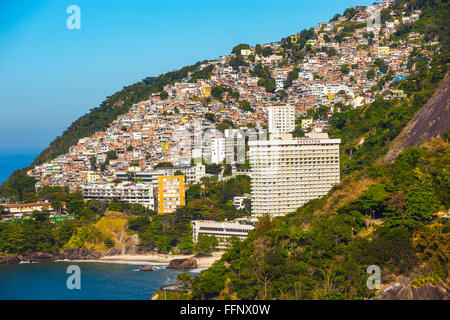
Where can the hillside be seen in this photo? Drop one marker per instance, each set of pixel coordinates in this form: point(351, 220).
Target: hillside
point(385, 215)
point(432, 121)
point(100, 118)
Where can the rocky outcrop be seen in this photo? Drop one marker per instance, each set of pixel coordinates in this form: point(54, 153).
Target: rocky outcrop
point(39, 257)
point(409, 292)
point(432, 121)
point(80, 254)
point(183, 264)
point(68, 254)
point(9, 259)
point(146, 269)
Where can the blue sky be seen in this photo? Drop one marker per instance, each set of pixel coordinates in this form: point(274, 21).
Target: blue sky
point(50, 75)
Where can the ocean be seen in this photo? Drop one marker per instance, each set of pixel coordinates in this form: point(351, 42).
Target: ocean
point(12, 159)
point(99, 280)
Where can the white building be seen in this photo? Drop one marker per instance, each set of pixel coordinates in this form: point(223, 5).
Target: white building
point(281, 119)
point(217, 150)
point(141, 193)
point(223, 231)
point(192, 174)
point(286, 173)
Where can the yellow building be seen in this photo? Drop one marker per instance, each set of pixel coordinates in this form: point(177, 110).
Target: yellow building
point(246, 52)
point(330, 97)
point(170, 193)
point(383, 50)
point(207, 91)
point(294, 38)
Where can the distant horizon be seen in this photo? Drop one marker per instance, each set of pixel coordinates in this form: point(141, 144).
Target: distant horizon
point(65, 73)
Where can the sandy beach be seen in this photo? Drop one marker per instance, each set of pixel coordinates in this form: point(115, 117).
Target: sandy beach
point(204, 262)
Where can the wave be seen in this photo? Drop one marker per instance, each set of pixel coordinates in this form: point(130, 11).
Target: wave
point(134, 263)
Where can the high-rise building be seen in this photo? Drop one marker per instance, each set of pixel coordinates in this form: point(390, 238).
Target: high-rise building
point(286, 173)
point(170, 193)
point(281, 119)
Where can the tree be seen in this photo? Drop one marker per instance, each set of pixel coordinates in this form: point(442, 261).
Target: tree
point(18, 184)
point(40, 215)
point(422, 202)
point(237, 49)
point(267, 51)
point(75, 205)
point(205, 244)
point(178, 173)
point(371, 74)
point(185, 279)
point(163, 165)
point(345, 69)
point(164, 95)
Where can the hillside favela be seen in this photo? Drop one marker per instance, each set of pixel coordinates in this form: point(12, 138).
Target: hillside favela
point(312, 167)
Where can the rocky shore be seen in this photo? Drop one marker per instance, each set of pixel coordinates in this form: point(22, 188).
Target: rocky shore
point(173, 261)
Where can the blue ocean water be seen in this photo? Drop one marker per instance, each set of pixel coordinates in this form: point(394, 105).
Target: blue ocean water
point(11, 160)
point(105, 281)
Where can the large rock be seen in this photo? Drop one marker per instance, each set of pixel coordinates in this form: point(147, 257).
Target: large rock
point(183, 264)
point(409, 292)
point(80, 254)
point(40, 257)
point(9, 259)
point(147, 268)
point(432, 121)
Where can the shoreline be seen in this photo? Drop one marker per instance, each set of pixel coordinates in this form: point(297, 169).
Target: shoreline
point(203, 262)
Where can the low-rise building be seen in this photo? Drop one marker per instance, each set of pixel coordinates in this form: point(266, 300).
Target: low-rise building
point(223, 231)
point(141, 193)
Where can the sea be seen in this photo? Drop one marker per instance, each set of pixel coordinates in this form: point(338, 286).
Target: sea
point(98, 280)
point(13, 159)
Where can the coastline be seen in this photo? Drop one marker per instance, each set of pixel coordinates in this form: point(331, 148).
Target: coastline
point(203, 262)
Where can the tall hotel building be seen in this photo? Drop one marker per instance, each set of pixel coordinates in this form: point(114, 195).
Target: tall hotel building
point(170, 193)
point(286, 172)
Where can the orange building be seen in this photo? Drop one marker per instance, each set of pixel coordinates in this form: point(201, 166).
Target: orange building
point(170, 193)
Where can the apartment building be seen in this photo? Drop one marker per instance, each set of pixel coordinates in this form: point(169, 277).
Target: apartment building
point(192, 174)
point(223, 231)
point(170, 193)
point(281, 118)
point(141, 193)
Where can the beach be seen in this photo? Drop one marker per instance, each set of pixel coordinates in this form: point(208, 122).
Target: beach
point(203, 262)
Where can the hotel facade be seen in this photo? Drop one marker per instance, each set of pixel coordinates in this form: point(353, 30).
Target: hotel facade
point(286, 172)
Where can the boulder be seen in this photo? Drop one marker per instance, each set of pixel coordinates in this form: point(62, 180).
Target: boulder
point(190, 263)
point(146, 269)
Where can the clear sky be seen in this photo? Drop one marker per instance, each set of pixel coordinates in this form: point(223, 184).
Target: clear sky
point(50, 75)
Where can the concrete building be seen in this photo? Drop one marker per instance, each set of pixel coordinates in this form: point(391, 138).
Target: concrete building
point(223, 231)
point(141, 193)
point(286, 173)
point(170, 193)
point(281, 119)
point(193, 174)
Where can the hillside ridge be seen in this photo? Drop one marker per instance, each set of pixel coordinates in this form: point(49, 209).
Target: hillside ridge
point(432, 121)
